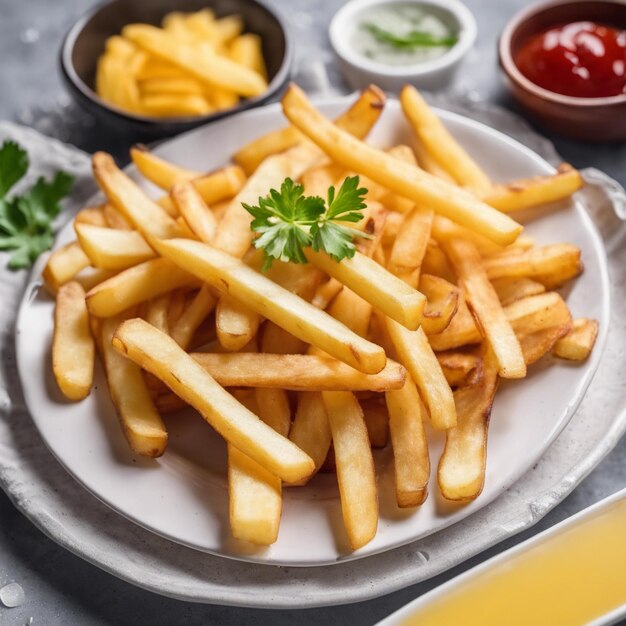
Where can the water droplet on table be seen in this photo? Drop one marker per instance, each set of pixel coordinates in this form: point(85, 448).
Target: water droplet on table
point(30, 35)
point(12, 595)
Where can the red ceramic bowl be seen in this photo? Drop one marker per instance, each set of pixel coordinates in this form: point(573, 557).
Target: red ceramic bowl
point(588, 119)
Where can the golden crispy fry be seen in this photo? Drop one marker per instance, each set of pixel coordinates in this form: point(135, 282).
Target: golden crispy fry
point(217, 71)
point(436, 262)
point(247, 51)
point(91, 276)
point(191, 318)
point(141, 424)
point(91, 215)
point(552, 265)
point(310, 430)
point(172, 86)
point(295, 315)
point(484, 302)
point(375, 284)
point(410, 447)
point(409, 247)
point(511, 289)
point(401, 178)
point(351, 310)
point(157, 312)
point(326, 292)
point(427, 163)
point(177, 303)
point(376, 421)
point(159, 171)
point(63, 264)
point(440, 144)
point(393, 201)
point(275, 340)
point(236, 324)
point(357, 120)
point(578, 343)
point(114, 219)
point(460, 368)
point(73, 351)
point(195, 212)
point(531, 192)
point(297, 372)
point(443, 229)
point(134, 285)
point(135, 205)
point(415, 353)
point(161, 355)
point(461, 331)
point(442, 302)
point(255, 495)
point(111, 249)
point(461, 473)
point(355, 467)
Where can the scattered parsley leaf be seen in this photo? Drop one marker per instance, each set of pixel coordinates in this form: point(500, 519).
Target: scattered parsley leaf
point(287, 221)
point(414, 39)
point(26, 220)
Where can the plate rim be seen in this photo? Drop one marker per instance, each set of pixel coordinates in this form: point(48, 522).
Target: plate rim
point(567, 413)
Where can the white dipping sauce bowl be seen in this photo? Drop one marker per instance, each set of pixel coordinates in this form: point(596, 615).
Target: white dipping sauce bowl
point(360, 71)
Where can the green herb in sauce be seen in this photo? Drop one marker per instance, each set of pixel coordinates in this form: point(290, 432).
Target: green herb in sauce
point(403, 34)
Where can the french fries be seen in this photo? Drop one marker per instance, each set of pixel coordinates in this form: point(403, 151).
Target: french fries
point(275, 303)
point(297, 372)
point(401, 178)
point(441, 299)
point(355, 466)
point(161, 355)
point(73, 351)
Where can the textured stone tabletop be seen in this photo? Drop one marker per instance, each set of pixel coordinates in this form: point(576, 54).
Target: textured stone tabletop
point(60, 588)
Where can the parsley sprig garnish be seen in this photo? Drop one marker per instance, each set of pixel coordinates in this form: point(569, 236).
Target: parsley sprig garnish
point(26, 220)
point(288, 221)
point(414, 39)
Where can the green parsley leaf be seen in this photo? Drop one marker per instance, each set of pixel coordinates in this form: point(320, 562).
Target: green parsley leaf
point(26, 220)
point(288, 221)
point(13, 165)
point(414, 39)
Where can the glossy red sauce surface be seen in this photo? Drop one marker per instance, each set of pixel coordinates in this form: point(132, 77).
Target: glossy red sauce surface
point(581, 59)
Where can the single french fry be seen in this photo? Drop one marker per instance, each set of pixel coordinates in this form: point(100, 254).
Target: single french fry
point(511, 289)
point(275, 340)
point(553, 264)
point(162, 356)
point(89, 277)
point(131, 200)
point(141, 424)
point(274, 408)
point(410, 447)
point(91, 215)
point(483, 300)
point(436, 262)
point(111, 249)
point(73, 350)
point(195, 212)
point(376, 420)
point(427, 163)
point(357, 120)
point(295, 315)
point(393, 201)
point(355, 467)
point(460, 368)
point(461, 472)
point(443, 228)
point(442, 302)
point(63, 264)
point(191, 318)
point(578, 343)
point(157, 170)
point(532, 192)
point(157, 312)
point(247, 51)
point(134, 285)
point(255, 495)
point(350, 309)
point(212, 69)
point(296, 372)
point(326, 292)
point(375, 284)
point(236, 324)
point(415, 353)
point(177, 303)
point(409, 247)
point(440, 144)
point(401, 178)
point(461, 331)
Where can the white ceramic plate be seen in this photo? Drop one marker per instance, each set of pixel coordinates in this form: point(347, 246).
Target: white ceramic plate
point(183, 495)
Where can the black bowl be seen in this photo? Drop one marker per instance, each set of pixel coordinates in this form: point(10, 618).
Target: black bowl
point(84, 43)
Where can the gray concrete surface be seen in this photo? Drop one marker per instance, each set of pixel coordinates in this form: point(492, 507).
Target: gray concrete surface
point(61, 589)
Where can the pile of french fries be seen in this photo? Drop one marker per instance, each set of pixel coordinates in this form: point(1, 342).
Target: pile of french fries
point(194, 65)
point(308, 367)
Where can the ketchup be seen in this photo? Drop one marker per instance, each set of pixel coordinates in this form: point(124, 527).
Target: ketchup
point(581, 59)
